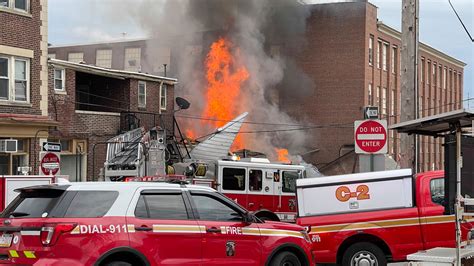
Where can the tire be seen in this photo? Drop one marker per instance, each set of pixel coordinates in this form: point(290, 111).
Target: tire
point(118, 263)
point(285, 258)
point(364, 253)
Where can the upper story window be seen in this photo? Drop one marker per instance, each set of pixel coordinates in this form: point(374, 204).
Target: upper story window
point(14, 78)
point(52, 56)
point(132, 59)
point(163, 91)
point(379, 46)
point(104, 58)
point(141, 94)
point(384, 56)
point(371, 50)
point(59, 79)
point(422, 70)
point(75, 57)
point(394, 59)
point(370, 94)
point(18, 5)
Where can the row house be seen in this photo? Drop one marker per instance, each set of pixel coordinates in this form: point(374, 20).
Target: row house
point(93, 104)
point(24, 114)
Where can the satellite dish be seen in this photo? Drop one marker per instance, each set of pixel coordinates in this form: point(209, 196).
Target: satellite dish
point(182, 103)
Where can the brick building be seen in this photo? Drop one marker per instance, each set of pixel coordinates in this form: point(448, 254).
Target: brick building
point(354, 61)
point(23, 80)
point(93, 104)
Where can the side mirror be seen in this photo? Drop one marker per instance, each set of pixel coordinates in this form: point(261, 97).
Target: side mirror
point(248, 218)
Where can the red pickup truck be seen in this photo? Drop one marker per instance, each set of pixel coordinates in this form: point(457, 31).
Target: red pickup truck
point(373, 218)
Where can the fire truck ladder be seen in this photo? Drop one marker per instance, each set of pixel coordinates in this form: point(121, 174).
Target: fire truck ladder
point(125, 155)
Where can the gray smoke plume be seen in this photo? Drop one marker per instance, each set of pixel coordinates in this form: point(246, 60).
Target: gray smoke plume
point(263, 31)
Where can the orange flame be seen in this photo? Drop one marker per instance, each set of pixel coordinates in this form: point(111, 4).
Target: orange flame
point(225, 77)
point(283, 155)
point(190, 134)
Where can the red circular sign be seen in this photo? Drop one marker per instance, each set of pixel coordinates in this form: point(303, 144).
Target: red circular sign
point(50, 164)
point(371, 136)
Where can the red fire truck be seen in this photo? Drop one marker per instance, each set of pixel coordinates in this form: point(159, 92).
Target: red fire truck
point(264, 188)
point(372, 218)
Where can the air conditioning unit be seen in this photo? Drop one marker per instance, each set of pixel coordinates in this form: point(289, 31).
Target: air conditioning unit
point(8, 145)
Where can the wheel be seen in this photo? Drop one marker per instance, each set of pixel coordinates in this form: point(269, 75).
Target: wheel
point(285, 258)
point(364, 254)
point(118, 263)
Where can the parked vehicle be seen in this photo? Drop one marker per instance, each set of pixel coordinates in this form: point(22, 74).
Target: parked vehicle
point(372, 218)
point(264, 188)
point(142, 223)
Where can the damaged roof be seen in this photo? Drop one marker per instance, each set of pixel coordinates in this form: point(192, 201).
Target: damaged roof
point(112, 73)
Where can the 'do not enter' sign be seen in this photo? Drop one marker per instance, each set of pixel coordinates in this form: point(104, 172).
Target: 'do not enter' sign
point(370, 136)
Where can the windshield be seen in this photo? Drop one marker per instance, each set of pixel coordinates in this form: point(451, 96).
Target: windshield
point(33, 204)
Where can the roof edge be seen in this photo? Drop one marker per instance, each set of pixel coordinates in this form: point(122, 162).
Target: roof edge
point(111, 72)
point(423, 46)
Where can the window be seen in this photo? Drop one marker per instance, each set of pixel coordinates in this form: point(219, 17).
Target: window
point(384, 101)
point(4, 80)
point(33, 204)
point(104, 58)
point(428, 76)
point(394, 59)
point(91, 204)
point(75, 57)
point(392, 103)
point(20, 80)
point(437, 191)
point(289, 181)
point(52, 56)
point(377, 98)
point(445, 72)
point(14, 78)
point(65, 145)
point(422, 71)
point(210, 209)
point(233, 179)
point(161, 206)
point(384, 56)
point(163, 91)
point(255, 180)
point(141, 94)
point(379, 46)
point(371, 50)
point(59, 79)
point(370, 94)
point(132, 59)
point(21, 4)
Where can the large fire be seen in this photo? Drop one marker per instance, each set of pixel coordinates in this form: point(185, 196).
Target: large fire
point(283, 155)
point(225, 100)
point(225, 77)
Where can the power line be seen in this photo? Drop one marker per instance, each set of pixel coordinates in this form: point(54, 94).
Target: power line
point(460, 20)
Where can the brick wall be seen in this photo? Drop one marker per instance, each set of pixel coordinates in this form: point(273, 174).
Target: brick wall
point(96, 127)
point(334, 60)
point(22, 31)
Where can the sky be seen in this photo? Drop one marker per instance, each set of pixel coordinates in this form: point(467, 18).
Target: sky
point(94, 21)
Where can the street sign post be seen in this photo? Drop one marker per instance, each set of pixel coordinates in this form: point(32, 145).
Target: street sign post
point(371, 112)
point(51, 146)
point(50, 163)
point(370, 136)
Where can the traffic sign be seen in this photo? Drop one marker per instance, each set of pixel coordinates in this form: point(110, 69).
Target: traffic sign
point(52, 146)
point(50, 163)
point(370, 136)
point(371, 112)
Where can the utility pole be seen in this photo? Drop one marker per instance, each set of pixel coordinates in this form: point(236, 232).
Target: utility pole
point(409, 81)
